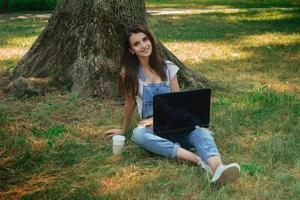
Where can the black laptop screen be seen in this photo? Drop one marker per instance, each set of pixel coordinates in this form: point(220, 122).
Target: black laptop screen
point(181, 110)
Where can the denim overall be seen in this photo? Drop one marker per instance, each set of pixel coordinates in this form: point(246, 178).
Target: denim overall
point(200, 138)
point(149, 91)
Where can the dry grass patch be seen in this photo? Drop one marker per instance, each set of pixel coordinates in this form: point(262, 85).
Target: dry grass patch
point(296, 172)
point(254, 185)
point(130, 177)
point(33, 184)
point(283, 87)
point(37, 145)
point(82, 131)
point(18, 126)
point(226, 62)
point(2, 94)
point(9, 53)
point(7, 160)
point(270, 39)
point(198, 52)
point(20, 41)
point(272, 83)
point(249, 141)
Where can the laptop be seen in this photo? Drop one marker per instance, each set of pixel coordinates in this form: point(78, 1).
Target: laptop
point(181, 112)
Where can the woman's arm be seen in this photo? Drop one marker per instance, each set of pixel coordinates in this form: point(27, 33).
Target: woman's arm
point(174, 85)
point(128, 113)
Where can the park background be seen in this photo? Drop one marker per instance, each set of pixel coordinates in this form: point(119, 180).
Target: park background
point(52, 146)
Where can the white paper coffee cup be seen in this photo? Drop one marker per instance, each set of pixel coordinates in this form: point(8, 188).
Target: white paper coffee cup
point(118, 144)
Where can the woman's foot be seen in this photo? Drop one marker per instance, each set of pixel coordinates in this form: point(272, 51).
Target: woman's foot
point(225, 174)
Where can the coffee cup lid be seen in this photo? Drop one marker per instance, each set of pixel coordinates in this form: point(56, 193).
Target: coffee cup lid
point(118, 138)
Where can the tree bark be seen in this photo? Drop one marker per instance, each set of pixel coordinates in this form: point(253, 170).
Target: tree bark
point(80, 47)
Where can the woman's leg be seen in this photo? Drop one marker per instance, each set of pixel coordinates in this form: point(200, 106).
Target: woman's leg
point(145, 138)
point(153, 143)
point(187, 155)
point(214, 162)
point(207, 150)
point(204, 143)
point(199, 138)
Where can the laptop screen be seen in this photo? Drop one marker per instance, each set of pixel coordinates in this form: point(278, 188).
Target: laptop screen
point(181, 110)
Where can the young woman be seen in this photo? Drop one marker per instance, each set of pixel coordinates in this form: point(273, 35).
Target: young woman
point(143, 75)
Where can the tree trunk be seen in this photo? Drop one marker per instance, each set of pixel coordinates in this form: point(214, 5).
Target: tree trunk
point(80, 47)
point(4, 6)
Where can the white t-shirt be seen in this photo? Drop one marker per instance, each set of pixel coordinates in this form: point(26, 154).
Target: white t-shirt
point(172, 70)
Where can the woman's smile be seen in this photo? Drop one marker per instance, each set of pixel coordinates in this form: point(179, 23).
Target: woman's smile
point(140, 45)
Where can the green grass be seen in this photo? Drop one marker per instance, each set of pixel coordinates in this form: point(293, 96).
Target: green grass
point(220, 3)
point(53, 146)
point(21, 37)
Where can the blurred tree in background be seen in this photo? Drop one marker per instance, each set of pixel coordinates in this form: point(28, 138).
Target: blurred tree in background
point(40, 5)
point(23, 5)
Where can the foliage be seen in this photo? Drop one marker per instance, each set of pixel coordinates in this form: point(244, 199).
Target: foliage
point(32, 5)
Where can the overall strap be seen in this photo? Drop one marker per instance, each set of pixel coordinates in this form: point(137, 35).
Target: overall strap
point(142, 74)
point(168, 74)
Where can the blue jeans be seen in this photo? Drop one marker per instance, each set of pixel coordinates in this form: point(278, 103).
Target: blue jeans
point(200, 138)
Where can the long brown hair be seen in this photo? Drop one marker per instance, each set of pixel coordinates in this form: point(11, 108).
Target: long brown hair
point(130, 63)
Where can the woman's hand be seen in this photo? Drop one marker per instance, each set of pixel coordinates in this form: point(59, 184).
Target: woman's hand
point(146, 122)
point(110, 133)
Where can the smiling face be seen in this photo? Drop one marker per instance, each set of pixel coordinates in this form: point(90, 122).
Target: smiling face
point(140, 45)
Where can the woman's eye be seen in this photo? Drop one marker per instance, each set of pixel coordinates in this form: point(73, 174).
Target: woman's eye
point(145, 39)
